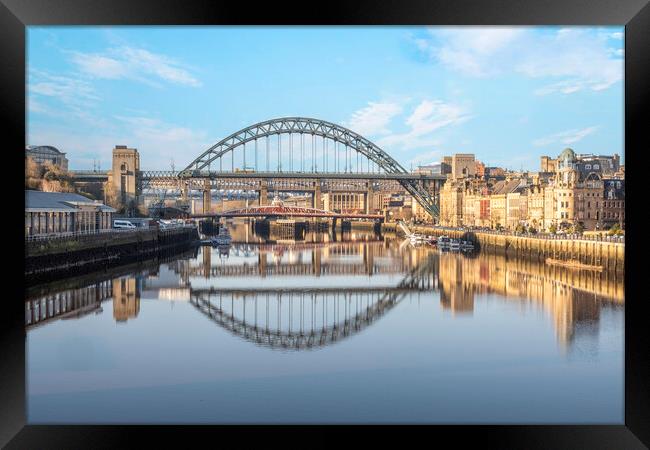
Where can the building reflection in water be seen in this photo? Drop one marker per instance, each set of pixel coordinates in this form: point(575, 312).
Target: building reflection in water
point(299, 317)
point(573, 298)
point(126, 298)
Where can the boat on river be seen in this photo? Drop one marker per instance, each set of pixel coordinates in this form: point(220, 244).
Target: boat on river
point(223, 238)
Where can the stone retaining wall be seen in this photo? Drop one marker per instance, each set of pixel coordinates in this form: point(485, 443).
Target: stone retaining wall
point(610, 255)
point(54, 258)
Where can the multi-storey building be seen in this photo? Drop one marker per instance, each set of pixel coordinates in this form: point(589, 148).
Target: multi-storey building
point(42, 154)
point(535, 210)
point(64, 212)
point(580, 191)
point(463, 165)
point(613, 209)
point(345, 202)
point(451, 204)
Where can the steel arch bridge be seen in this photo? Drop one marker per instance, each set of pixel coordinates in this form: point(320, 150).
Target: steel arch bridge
point(359, 157)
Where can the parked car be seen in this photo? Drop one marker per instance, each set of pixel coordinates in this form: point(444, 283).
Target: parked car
point(123, 224)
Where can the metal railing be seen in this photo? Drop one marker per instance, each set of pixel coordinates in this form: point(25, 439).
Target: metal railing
point(103, 232)
point(549, 236)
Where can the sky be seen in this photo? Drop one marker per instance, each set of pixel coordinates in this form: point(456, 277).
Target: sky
point(507, 94)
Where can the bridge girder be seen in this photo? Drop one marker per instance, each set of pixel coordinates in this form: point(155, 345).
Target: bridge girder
point(314, 127)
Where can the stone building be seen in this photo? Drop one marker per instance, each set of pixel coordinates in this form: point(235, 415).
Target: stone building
point(499, 202)
point(345, 202)
point(577, 191)
point(42, 154)
point(548, 165)
point(613, 209)
point(580, 191)
point(451, 204)
point(122, 176)
point(535, 207)
point(516, 207)
point(463, 165)
point(63, 212)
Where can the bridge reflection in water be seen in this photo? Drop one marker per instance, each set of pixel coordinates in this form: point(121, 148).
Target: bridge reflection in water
point(285, 297)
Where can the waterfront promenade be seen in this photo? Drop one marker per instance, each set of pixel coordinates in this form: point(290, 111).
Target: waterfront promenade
point(58, 254)
point(608, 252)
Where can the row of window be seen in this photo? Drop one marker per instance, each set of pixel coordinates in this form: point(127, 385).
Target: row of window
point(60, 222)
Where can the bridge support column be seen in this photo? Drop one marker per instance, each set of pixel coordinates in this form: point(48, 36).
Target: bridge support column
point(369, 201)
point(264, 192)
point(184, 187)
point(206, 197)
point(315, 261)
point(368, 259)
point(317, 203)
point(207, 260)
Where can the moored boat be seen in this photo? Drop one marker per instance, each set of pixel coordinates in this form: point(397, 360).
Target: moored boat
point(466, 245)
point(223, 238)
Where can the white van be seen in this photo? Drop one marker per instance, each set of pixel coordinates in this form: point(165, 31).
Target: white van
point(123, 224)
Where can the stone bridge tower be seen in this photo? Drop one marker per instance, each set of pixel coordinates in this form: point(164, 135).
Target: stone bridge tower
point(126, 166)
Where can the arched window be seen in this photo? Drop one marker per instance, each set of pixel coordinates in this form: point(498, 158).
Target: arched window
point(124, 167)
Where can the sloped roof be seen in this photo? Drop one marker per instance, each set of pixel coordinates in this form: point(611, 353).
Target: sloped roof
point(498, 187)
point(58, 201)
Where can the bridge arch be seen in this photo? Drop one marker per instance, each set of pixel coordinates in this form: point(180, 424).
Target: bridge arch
point(377, 160)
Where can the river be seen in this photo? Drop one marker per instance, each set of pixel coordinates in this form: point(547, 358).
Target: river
point(334, 328)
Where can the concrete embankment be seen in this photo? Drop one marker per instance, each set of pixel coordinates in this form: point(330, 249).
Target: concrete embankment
point(609, 255)
point(58, 257)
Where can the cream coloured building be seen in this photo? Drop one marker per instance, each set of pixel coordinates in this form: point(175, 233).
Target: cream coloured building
point(64, 212)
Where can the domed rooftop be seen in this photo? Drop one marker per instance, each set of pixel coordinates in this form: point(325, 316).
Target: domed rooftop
point(567, 153)
point(44, 149)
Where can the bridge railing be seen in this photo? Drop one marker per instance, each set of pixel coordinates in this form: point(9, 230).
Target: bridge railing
point(538, 235)
point(106, 231)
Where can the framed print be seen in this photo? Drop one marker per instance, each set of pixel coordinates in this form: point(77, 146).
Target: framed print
point(387, 219)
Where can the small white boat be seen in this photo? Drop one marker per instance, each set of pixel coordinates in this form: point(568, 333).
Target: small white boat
point(454, 245)
point(223, 238)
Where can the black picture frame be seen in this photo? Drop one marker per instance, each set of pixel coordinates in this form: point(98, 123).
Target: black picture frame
point(633, 14)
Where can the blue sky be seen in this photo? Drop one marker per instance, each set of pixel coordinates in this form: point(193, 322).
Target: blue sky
point(508, 95)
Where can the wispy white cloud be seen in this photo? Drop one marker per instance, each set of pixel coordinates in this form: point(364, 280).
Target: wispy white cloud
point(472, 50)
point(577, 58)
point(574, 59)
point(67, 89)
point(127, 62)
point(155, 131)
point(427, 117)
point(374, 119)
point(158, 142)
point(65, 97)
point(565, 137)
point(426, 158)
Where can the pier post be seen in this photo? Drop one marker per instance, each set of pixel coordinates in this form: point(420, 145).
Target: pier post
point(206, 197)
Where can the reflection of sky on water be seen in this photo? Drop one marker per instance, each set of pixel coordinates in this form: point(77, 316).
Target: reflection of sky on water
point(494, 341)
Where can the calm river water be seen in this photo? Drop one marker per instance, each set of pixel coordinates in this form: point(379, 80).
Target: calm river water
point(351, 328)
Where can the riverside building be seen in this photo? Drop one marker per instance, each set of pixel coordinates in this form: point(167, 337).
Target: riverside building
point(570, 191)
point(63, 212)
